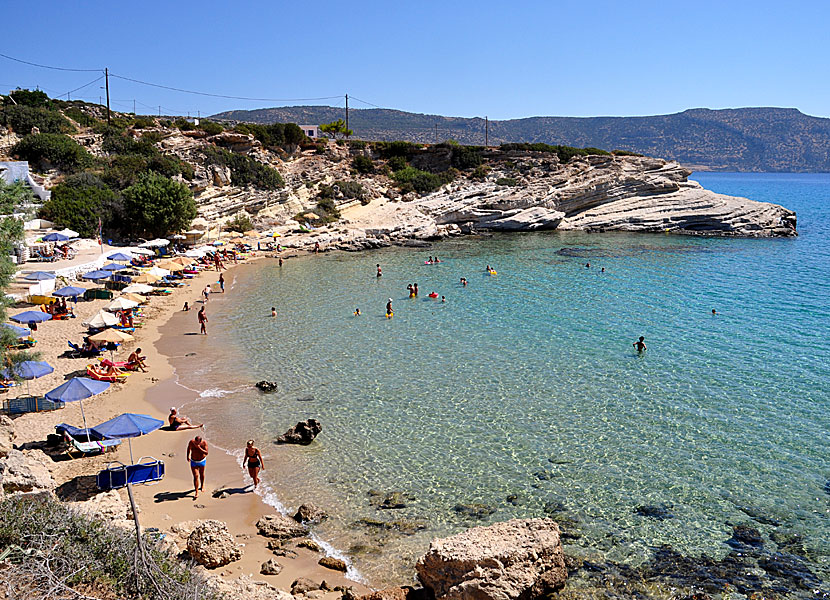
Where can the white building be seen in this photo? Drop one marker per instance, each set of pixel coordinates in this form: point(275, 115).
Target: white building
point(312, 131)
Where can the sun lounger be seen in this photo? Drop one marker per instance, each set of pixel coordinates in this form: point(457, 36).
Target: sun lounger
point(92, 373)
point(27, 404)
point(92, 447)
point(78, 352)
point(147, 470)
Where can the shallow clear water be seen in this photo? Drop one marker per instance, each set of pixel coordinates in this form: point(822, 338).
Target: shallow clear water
point(525, 385)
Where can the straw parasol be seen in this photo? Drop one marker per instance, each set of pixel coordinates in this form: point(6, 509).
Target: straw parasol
point(121, 303)
point(182, 260)
point(111, 336)
point(138, 288)
point(134, 297)
point(145, 278)
point(169, 265)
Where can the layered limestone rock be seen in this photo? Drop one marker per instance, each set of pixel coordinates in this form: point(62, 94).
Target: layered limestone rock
point(211, 544)
point(26, 472)
point(505, 561)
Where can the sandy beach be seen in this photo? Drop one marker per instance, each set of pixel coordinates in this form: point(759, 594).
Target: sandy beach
point(170, 501)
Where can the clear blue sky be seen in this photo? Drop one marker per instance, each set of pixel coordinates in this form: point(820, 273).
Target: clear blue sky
point(502, 59)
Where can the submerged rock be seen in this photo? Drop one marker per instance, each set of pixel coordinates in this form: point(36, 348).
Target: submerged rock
point(661, 512)
point(390, 500)
point(474, 510)
point(505, 561)
point(303, 433)
point(266, 386)
point(745, 535)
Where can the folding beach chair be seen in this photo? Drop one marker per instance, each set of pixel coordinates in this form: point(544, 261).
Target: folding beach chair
point(147, 470)
point(84, 441)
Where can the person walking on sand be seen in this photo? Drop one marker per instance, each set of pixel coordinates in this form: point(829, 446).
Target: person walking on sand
point(197, 451)
point(222, 282)
point(640, 345)
point(202, 321)
point(206, 293)
point(254, 462)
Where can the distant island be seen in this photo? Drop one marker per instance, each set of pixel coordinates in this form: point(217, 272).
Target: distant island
point(740, 139)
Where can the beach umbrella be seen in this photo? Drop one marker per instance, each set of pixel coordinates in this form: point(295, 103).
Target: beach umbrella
point(102, 319)
point(141, 251)
point(55, 237)
point(69, 292)
point(128, 425)
point(145, 278)
point(20, 332)
point(134, 297)
point(120, 256)
point(68, 233)
point(31, 316)
point(121, 303)
point(156, 243)
point(183, 260)
point(171, 266)
point(95, 275)
point(158, 272)
point(138, 288)
point(39, 276)
point(28, 370)
point(77, 389)
point(114, 267)
point(113, 336)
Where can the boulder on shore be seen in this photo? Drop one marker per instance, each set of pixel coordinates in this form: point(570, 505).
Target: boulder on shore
point(26, 472)
point(396, 593)
point(212, 545)
point(303, 433)
point(280, 526)
point(505, 561)
point(6, 436)
point(308, 513)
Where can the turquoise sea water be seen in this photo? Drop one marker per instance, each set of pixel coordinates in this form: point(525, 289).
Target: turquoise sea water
point(523, 393)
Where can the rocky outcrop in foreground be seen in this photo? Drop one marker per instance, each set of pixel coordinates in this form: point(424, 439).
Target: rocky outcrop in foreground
point(505, 561)
point(211, 544)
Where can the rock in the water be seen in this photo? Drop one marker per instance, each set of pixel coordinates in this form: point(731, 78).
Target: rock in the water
point(474, 510)
point(308, 513)
point(390, 500)
point(26, 472)
point(211, 544)
point(302, 433)
point(303, 585)
point(266, 386)
point(6, 436)
point(333, 563)
point(505, 561)
point(660, 512)
point(270, 567)
point(280, 526)
point(745, 535)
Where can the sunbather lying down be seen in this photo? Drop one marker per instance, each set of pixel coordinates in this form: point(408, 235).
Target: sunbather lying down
point(109, 371)
point(180, 423)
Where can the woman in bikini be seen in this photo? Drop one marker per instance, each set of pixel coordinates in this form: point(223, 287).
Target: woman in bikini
point(253, 460)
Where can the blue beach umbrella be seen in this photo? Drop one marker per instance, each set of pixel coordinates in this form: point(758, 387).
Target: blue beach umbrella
point(20, 332)
point(128, 425)
point(119, 256)
point(39, 276)
point(69, 291)
point(113, 267)
point(95, 275)
point(31, 316)
point(55, 237)
point(29, 369)
point(76, 390)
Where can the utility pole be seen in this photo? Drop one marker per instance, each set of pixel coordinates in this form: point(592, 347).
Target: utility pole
point(486, 131)
point(107, 84)
point(159, 109)
point(347, 111)
point(133, 106)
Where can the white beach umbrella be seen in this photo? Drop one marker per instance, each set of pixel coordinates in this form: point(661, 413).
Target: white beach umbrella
point(102, 319)
point(156, 243)
point(136, 250)
point(121, 303)
point(68, 233)
point(159, 272)
point(138, 288)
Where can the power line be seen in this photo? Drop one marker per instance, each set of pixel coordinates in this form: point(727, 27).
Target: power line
point(26, 62)
point(364, 102)
point(82, 87)
point(167, 87)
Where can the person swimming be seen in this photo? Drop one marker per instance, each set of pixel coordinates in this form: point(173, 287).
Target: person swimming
point(443, 299)
point(714, 312)
point(463, 281)
point(357, 312)
point(587, 265)
point(640, 344)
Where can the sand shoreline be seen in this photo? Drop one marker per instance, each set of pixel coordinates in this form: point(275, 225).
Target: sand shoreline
point(162, 339)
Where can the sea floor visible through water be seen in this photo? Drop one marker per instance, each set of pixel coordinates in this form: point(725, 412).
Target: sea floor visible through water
point(522, 396)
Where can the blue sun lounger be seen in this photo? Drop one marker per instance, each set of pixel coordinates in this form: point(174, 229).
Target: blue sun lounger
point(117, 475)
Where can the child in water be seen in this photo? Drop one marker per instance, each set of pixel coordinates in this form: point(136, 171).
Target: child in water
point(463, 281)
point(357, 312)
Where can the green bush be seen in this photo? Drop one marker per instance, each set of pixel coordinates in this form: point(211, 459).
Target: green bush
point(410, 178)
point(274, 135)
point(211, 127)
point(565, 153)
point(245, 170)
point(363, 164)
point(116, 143)
point(357, 144)
point(184, 125)
point(509, 181)
point(45, 149)
point(33, 98)
point(23, 118)
point(80, 117)
point(390, 149)
point(466, 157)
point(156, 206)
point(13, 195)
point(145, 122)
point(480, 172)
point(396, 163)
point(240, 223)
point(625, 153)
point(79, 201)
